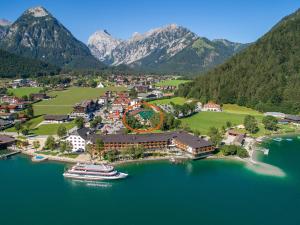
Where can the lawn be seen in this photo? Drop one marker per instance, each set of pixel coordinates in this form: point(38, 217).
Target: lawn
point(176, 100)
point(171, 82)
point(19, 92)
point(65, 100)
point(50, 129)
point(46, 129)
point(30, 124)
point(202, 121)
point(233, 108)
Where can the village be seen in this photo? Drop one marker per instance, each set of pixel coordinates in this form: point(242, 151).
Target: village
point(108, 124)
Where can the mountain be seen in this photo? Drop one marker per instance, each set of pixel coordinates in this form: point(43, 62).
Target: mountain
point(4, 25)
point(16, 66)
point(101, 44)
point(168, 49)
point(37, 34)
point(265, 76)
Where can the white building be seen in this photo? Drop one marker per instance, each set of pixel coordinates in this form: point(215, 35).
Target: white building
point(78, 139)
point(275, 114)
point(212, 107)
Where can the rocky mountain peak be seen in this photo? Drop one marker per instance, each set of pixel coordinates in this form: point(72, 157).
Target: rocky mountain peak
point(38, 11)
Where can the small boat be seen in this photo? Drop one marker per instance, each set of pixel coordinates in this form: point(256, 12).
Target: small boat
point(277, 139)
point(82, 171)
point(289, 139)
point(38, 158)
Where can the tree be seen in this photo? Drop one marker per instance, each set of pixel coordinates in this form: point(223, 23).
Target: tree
point(50, 143)
point(229, 150)
point(197, 132)
point(25, 131)
point(29, 111)
point(228, 124)
point(36, 145)
point(24, 98)
point(270, 122)
point(242, 153)
point(61, 131)
point(90, 150)
point(65, 146)
point(92, 83)
point(250, 124)
point(133, 93)
point(18, 127)
point(96, 121)
point(79, 121)
point(99, 147)
point(111, 155)
point(215, 136)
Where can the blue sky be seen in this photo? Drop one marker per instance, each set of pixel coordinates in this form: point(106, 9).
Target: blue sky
point(235, 20)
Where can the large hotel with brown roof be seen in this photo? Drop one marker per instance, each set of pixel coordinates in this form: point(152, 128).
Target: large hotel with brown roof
point(153, 141)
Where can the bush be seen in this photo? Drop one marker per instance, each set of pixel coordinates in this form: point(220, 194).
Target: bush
point(234, 150)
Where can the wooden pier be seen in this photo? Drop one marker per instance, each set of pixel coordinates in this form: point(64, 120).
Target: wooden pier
point(5, 156)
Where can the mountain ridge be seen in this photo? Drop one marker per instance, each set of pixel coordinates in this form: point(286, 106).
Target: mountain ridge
point(37, 34)
point(265, 76)
point(154, 50)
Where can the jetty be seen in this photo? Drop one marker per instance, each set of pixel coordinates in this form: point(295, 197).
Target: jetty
point(264, 150)
point(8, 154)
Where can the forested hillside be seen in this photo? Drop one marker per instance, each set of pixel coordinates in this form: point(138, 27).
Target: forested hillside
point(265, 76)
point(16, 66)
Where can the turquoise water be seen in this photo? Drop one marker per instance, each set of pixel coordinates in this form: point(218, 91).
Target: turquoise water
point(201, 192)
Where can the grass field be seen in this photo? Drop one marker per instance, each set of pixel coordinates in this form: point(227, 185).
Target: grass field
point(204, 120)
point(232, 108)
point(176, 100)
point(172, 82)
point(45, 129)
point(19, 92)
point(65, 100)
point(51, 129)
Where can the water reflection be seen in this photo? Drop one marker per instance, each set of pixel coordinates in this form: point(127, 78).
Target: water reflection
point(86, 183)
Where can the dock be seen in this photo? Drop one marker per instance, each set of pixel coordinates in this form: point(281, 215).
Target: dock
point(5, 156)
point(264, 150)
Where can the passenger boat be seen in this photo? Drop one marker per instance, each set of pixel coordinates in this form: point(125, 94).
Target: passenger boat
point(83, 171)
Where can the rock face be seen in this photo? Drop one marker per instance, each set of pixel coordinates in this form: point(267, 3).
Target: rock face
point(37, 34)
point(168, 49)
point(4, 25)
point(101, 44)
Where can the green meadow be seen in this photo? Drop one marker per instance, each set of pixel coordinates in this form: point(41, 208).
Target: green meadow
point(19, 92)
point(176, 100)
point(172, 82)
point(63, 101)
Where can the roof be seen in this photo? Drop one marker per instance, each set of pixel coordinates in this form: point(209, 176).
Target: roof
point(4, 122)
point(191, 140)
point(239, 139)
point(292, 117)
point(5, 139)
point(82, 132)
point(56, 117)
point(181, 136)
point(211, 105)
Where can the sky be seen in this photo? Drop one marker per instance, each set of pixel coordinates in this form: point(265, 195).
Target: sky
point(236, 20)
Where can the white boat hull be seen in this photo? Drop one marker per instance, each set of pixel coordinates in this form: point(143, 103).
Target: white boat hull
point(91, 177)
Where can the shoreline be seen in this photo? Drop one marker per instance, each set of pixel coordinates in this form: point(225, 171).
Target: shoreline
point(249, 160)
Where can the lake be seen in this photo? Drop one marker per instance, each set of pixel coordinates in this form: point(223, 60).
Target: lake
point(204, 192)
